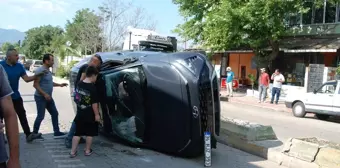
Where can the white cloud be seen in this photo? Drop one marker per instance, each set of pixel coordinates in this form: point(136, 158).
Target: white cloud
point(49, 6)
point(10, 27)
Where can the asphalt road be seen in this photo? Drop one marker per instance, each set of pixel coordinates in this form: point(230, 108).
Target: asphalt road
point(284, 124)
point(52, 153)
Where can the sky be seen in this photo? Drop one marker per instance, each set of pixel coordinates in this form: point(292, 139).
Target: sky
point(25, 14)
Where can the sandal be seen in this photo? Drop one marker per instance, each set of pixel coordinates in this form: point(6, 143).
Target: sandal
point(73, 155)
point(89, 153)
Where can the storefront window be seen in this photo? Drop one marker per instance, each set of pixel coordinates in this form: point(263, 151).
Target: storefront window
point(293, 66)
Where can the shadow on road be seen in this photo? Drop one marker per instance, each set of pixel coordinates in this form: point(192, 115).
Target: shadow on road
point(331, 119)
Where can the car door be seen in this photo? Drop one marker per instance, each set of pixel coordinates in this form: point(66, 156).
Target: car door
point(336, 101)
point(321, 100)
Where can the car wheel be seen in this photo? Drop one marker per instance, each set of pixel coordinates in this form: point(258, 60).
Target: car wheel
point(322, 116)
point(299, 109)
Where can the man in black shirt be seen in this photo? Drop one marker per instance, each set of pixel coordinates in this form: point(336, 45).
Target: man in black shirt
point(95, 61)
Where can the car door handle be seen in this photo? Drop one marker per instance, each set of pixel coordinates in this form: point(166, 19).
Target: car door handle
point(330, 95)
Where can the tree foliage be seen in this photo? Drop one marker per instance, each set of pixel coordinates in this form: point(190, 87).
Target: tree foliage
point(8, 45)
point(38, 40)
point(117, 15)
point(224, 24)
point(84, 31)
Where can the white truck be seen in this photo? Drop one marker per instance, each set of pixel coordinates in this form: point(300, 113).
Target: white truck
point(323, 101)
point(147, 40)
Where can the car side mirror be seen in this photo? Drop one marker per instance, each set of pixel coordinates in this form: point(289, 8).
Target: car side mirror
point(314, 91)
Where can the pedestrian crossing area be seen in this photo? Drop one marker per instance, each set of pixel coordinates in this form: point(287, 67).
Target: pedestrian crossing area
point(54, 147)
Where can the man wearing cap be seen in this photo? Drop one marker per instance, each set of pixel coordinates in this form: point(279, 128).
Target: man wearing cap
point(230, 77)
point(264, 83)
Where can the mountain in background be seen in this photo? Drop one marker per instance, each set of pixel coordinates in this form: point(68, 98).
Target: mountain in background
point(11, 35)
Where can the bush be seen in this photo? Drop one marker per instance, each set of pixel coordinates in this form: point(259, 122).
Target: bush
point(72, 63)
point(63, 72)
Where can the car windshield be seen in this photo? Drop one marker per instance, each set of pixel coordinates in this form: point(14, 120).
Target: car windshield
point(29, 61)
point(328, 88)
point(125, 91)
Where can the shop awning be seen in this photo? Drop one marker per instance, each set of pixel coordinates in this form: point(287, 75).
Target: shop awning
point(309, 44)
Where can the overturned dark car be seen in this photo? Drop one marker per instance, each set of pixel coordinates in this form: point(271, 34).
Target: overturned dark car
point(173, 98)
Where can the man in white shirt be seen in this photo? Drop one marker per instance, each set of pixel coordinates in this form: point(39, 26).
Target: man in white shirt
point(278, 79)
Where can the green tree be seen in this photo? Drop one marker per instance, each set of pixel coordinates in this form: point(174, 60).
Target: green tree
point(38, 41)
point(8, 45)
point(84, 31)
point(224, 24)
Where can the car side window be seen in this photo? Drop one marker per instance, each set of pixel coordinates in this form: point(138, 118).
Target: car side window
point(327, 89)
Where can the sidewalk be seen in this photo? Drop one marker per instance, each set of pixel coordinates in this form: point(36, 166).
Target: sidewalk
point(241, 98)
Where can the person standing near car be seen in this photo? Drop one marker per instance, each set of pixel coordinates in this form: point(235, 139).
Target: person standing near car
point(87, 118)
point(264, 83)
point(43, 97)
point(95, 61)
point(278, 79)
point(8, 114)
point(15, 71)
point(230, 77)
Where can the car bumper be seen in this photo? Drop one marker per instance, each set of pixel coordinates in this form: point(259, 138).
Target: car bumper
point(289, 104)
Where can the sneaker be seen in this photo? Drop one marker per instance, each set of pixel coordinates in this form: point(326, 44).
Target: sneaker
point(39, 137)
point(59, 135)
point(259, 101)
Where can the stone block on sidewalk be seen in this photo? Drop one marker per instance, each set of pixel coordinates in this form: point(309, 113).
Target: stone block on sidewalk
point(302, 150)
point(328, 157)
point(247, 131)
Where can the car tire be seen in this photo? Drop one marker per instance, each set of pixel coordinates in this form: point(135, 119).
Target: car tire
point(322, 116)
point(299, 110)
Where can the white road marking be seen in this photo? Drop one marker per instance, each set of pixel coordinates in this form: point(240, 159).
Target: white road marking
point(66, 166)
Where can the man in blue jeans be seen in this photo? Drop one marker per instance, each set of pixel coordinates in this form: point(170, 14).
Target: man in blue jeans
point(278, 79)
point(96, 61)
point(43, 97)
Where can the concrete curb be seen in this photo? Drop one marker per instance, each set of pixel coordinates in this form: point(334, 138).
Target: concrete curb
point(267, 150)
point(225, 99)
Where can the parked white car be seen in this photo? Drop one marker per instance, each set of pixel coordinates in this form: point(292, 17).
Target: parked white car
point(35, 64)
point(323, 102)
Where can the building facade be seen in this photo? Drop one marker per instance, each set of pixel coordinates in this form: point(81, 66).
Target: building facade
point(314, 38)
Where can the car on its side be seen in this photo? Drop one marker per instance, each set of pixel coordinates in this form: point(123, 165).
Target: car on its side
point(323, 101)
point(161, 101)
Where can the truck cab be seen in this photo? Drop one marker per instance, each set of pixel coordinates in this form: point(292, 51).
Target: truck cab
point(323, 101)
point(147, 40)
